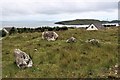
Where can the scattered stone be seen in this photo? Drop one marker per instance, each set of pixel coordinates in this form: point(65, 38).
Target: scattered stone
point(22, 59)
point(93, 41)
point(50, 36)
point(72, 39)
point(114, 70)
point(35, 49)
point(116, 65)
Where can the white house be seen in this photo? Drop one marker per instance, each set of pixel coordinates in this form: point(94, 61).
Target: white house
point(92, 27)
point(95, 26)
point(7, 29)
point(110, 24)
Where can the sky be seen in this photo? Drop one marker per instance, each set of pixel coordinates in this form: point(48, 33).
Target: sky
point(58, 10)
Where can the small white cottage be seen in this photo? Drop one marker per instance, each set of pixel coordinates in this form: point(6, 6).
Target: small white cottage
point(110, 24)
point(94, 27)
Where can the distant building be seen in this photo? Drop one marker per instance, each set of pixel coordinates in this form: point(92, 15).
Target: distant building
point(75, 26)
point(110, 24)
point(92, 27)
point(7, 29)
point(95, 26)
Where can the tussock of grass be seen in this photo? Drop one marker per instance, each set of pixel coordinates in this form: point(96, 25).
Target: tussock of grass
point(61, 59)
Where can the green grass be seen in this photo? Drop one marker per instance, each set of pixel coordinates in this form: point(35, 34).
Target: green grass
point(60, 59)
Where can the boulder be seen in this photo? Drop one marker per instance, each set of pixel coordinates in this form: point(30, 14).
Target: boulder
point(22, 59)
point(71, 39)
point(93, 42)
point(49, 35)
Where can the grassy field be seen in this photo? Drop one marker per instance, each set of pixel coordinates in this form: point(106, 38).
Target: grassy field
point(59, 59)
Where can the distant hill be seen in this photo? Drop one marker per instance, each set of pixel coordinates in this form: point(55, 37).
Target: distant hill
point(85, 22)
point(78, 22)
point(113, 21)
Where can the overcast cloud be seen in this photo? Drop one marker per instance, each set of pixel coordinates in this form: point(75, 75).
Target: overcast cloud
point(55, 10)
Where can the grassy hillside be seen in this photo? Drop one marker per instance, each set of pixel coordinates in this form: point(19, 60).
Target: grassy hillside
point(61, 59)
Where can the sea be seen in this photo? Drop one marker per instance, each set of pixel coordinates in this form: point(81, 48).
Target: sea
point(27, 24)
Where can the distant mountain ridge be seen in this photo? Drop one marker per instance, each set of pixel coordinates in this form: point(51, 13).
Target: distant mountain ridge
point(85, 22)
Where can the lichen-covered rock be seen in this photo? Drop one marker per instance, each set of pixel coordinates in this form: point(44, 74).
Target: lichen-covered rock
point(22, 59)
point(72, 39)
point(50, 36)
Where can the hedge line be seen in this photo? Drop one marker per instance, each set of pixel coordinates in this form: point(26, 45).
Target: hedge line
point(27, 30)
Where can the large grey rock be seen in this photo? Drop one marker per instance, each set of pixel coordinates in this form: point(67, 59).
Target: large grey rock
point(71, 39)
point(50, 36)
point(22, 59)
